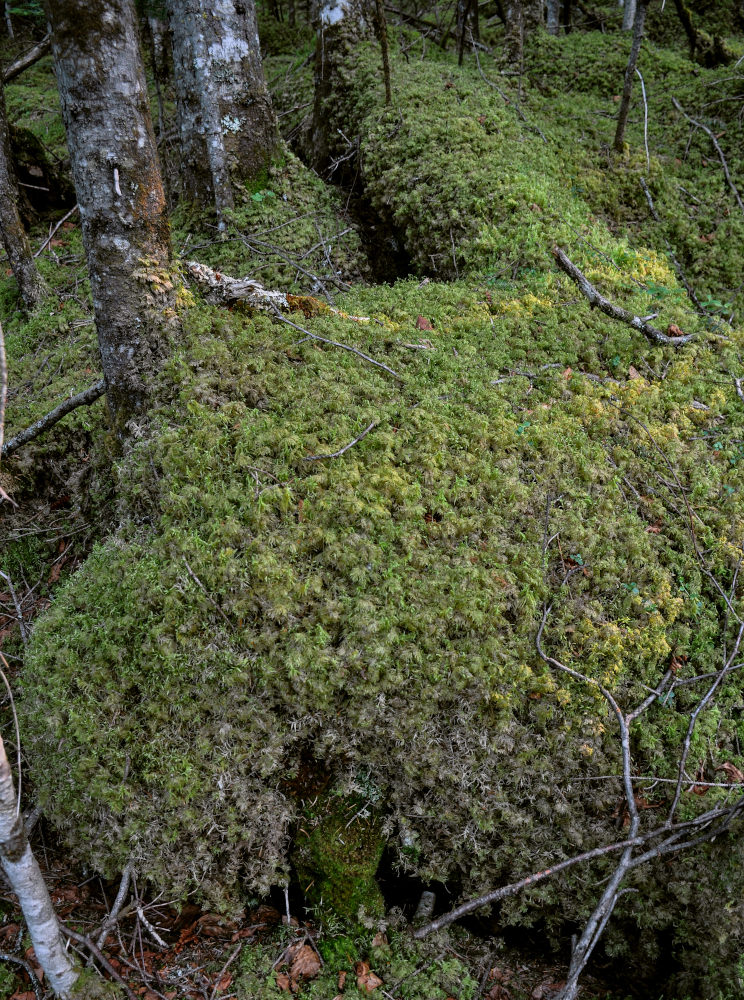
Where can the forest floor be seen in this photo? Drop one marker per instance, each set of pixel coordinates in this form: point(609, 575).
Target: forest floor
point(487, 308)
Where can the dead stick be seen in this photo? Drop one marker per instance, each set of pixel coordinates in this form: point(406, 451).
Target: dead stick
point(717, 148)
point(608, 308)
point(337, 343)
point(339, 453)
point(100, 958)
point(61, 221)
point(27, 59)
point(84, 398)
point(677, 266)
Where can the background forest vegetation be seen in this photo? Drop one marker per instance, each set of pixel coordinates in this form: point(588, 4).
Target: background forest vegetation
point(353, 622)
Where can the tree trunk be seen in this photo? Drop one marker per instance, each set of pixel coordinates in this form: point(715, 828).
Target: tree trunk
point(630, 69)
point(629, 14)
point(8, 21)
point(532, 16)
point(115, 168)
point(554, 14)
point(26, 881)
point(227, 124)
point(514, 33)
point(30, 283)
point(341, 25)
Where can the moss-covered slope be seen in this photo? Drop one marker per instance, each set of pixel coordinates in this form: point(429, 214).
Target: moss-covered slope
point(262, 616)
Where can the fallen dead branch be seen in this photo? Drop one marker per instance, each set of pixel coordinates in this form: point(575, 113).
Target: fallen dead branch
point(341, 451)
point(84, 398)
point(225, 290)
point(111, 920)
point(100, 958)
point(598, 301)
point(717, 148)
point(27, 59)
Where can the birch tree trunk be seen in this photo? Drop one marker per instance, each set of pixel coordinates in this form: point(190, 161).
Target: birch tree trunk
point(635, 48)
point(26, 881)
point(30, 283)
point(629, 14)
point(227, 124)
point(115, 168)
point(554, 15)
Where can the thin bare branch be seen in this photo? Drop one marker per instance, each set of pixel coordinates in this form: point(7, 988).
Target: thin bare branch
point(84, 398)
point(610, 309)
point(717, 148)
point(340, 452)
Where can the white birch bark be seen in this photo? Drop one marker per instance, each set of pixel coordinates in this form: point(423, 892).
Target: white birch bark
point(26, 881)
point(629, 12)
point(226, 119)
point(553, 21)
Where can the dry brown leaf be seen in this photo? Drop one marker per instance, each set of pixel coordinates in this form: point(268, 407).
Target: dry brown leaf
point(732, 772)
point(366, 979)
point(633, 372)
point(422, 323)
point(674, 331)
point(342, 979)
point(379, 940)
point(282, 981)
point(304, 964)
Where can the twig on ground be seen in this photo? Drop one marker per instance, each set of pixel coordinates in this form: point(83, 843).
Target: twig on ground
point(113, 916)
point(717, 148)
point(206, 593)
point(100, 958)
point(609, 309)
point(84, 398)
point(340, 452)
point(17, 606)
point(677, 266)
point(51, 234)
point(507, 100)
point(224, 969)
point(34, 979)
point(337, 343)
point(152, 931)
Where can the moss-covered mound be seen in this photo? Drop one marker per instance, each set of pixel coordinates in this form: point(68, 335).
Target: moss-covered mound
point(327, 579)
point(377, 612)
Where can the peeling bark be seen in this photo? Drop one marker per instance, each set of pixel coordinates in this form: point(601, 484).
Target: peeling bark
point(30, 283)
point(26, 881)
point(115, 168)
point(226, 120)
